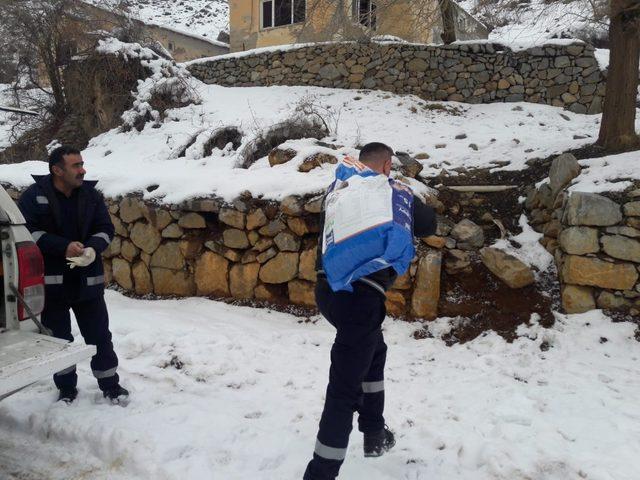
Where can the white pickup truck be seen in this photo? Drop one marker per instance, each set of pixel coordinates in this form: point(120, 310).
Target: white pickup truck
point(25, 355)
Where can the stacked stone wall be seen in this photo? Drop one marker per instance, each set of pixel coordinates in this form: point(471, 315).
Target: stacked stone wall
point(245, 250)
point(595, 239)
point(560, 75)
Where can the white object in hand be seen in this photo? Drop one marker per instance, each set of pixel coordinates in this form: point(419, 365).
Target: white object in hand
point(87, 258)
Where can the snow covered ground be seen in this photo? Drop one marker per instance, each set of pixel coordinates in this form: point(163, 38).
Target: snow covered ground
point(505, 135)
point(225, 392)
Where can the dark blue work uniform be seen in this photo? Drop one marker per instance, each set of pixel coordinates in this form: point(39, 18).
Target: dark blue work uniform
point(358, 357)
point(54, 221)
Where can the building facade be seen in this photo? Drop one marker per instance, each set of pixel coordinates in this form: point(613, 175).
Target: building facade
point(264, 23)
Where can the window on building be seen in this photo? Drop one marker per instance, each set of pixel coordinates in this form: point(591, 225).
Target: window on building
point(276, 13)
point(365, 12)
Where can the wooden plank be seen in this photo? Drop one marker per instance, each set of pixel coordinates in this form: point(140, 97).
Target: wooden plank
point(481, 188)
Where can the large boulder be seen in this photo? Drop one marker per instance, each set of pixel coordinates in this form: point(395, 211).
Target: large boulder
point(159, 218)
point(172, 231)
point(142, 279)
point(632, 209)
point(624, 248)
point(396, 303)
point(211, 275)
point(564, 168)
point(280, 269)
point(131, 209)
point(591, 209)
point(579, 240)
point(457, 261)
point(122, 273)
point(243, 279)
point(577, 299)
point(233, 218)
point(301, 292)
point(507, 268)
point(113, 250)
point(278, 156)
point(234, 238)
point(468, 235)
point(578, 270)
point(129, 251)
point(410, 166)
point(255, 219)
point(272, 228)
point(192, 220)
point(609, 301)
point(426, 294)
point(145, 237)
point(287, 242)
point(172, 282)
point(307, 267)
point(168, 256)
point(292, 205)
point(316, 160)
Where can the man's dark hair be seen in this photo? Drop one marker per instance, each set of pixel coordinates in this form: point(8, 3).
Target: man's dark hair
point(372, 152)
point(57, 155)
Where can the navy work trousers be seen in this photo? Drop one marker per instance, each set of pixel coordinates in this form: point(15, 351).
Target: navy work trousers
point(93, 321)
point(356, 376)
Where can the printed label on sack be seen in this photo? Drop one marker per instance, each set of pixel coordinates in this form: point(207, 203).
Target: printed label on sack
point(355, 206)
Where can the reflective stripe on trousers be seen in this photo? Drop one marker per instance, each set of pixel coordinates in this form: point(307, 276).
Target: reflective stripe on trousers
point(93, 281)
point(105, 373)
point(373, 387)
point(330, 453)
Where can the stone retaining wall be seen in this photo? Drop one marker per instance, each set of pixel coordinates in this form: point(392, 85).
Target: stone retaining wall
point(595, 240)
point(247, 250)
point(565, 76)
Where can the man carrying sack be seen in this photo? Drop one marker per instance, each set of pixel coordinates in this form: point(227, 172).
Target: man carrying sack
point(367, 238)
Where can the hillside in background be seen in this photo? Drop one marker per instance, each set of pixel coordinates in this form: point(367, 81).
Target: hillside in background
point(201, 17)
point(532, 21)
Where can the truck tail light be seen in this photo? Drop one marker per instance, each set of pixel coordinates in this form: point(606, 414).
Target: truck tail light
point(30, 278)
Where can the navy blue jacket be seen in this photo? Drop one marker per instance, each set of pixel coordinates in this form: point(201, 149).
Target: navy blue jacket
point(40, 207)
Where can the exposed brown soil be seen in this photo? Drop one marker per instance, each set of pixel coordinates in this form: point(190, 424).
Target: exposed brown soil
point(483, 302)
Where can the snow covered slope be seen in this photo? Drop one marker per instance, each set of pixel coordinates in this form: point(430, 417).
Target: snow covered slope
point(201, 17)
point(532, 21)
point(498, 135)
point(235, 393)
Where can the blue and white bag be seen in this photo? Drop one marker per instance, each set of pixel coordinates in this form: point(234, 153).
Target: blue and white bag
point(368, 225)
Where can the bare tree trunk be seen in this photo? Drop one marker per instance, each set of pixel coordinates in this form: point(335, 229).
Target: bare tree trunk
point(55, 80)
point(448, 22)
point(617, 130)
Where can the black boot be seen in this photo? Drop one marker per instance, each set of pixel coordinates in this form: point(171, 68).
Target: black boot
point(116, 394)
point(375, 444)
point(68, 394)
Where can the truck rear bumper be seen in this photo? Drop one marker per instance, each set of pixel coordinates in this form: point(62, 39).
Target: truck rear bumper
point(26, 357)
